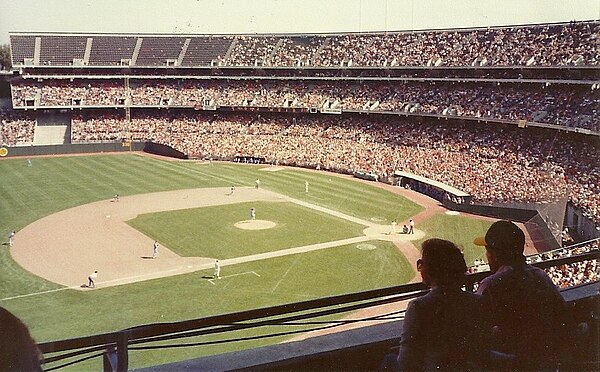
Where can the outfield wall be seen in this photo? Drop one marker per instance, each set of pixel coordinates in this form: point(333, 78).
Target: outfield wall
point(80, 148)
point(163, 150)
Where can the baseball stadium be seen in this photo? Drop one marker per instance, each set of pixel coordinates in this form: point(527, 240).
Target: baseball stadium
point(259, 200)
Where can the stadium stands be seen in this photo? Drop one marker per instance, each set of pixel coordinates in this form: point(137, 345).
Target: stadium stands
point(16, 128)
point(110, 51)
point(551, 105)
point(538, 45)
point(574, 274)
point(22, 48)
point(157, 51)
point(62, 50)
point(203, 51)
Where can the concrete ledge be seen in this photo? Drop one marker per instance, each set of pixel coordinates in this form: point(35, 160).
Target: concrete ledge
point(357, 349)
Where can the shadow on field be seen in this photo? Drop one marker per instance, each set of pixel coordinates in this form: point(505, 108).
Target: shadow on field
point(147, 257)
point(208, 277)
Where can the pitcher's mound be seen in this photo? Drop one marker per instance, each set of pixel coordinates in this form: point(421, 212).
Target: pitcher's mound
point(255, 225)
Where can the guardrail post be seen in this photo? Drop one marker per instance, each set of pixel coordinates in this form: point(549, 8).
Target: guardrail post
point(122, 357)
point(109, 359)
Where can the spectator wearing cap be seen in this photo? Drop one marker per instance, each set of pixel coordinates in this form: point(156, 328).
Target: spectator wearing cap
point(447, 328)
point(528, 312)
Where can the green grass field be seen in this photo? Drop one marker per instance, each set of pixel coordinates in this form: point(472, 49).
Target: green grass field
point(210, 231)
point(54, 184)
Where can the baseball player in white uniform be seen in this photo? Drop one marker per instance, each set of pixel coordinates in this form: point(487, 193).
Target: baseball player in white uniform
point(155, 249)
point(92, 279)
point(217, 272)
point(11, 238)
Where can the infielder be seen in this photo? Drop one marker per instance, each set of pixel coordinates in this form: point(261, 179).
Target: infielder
point(257, 183)
point(411, 230)
point(393, 230)
point(252, 214)
point(155, 249)
point(11, 238)
point(217, 272)
point(92, 279)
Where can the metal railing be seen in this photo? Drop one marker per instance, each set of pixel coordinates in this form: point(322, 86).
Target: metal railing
point(114, 346)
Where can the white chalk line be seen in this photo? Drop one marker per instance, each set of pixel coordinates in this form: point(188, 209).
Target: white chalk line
point(212, 281)
point(284, 275)
point(98, 283)
point(38, 293)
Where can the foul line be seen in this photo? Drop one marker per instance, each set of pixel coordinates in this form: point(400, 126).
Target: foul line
point(284, 275)
point(150, 275)
point(232, 275)
point(38, 293)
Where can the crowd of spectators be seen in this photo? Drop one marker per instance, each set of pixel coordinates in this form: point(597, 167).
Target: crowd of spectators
point(563, 276)
point(16, 128)
point(545, 45)
point(251, 51)
point(492, 163)
point(554, 104)
point(566, 44)
point(54, 93)
point(573, 274)
point(96, 128)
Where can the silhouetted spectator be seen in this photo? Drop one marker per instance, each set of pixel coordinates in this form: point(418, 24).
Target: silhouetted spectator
point(18, 351)
point(447, 328)
point(528, 312)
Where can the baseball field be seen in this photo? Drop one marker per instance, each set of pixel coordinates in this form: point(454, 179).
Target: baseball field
point(314, 234)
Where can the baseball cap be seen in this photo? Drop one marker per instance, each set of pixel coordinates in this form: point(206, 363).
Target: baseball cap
point(503, 236)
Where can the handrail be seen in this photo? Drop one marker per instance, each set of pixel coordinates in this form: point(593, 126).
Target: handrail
point(274, 315)
point(149, 330)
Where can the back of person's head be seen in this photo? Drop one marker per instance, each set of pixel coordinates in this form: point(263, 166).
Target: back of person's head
point(505, 239)
point(445, 263)
point(18, 351)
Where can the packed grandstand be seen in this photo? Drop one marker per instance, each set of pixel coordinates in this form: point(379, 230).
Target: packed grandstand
point(484, 114)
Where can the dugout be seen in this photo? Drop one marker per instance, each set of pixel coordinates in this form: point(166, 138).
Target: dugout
point(435, 189)
point(543, 220)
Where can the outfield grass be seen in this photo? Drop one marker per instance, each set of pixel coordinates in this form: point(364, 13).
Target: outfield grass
point(459, 229)
point(210, 231)
point(54, 184)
